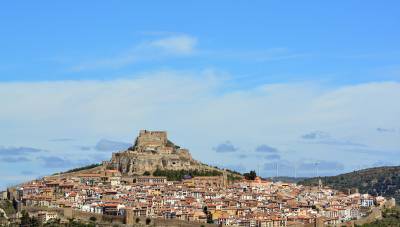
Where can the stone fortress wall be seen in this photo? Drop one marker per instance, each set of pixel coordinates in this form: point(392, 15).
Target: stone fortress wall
point(149, 139)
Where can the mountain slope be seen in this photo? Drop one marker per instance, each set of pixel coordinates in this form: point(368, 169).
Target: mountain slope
point(383, 181)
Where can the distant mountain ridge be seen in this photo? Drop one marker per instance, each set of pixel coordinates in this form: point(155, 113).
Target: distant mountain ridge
point(383, 181)
point(286, 179)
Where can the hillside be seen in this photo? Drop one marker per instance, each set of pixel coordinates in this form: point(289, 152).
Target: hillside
point(390, 217)
point(152, 154)
point(286, 179)
point(6, 211)
point(153, 151)
point(383, 181)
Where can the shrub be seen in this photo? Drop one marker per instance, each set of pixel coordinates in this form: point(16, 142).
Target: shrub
point(146, 173)
point(148, 220)
point(176, 175)
point(93, 219)
point(250, 176)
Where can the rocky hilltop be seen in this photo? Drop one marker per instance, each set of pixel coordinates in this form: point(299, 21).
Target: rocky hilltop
point(152, 150)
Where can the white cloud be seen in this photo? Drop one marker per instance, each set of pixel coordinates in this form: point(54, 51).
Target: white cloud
point(264, 55)
point(225, 147)
point(180, 44)
point(162, 48)
point(170, 46)
point(109, 145)
point(198, 116)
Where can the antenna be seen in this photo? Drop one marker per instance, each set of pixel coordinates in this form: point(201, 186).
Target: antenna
point(277, 169)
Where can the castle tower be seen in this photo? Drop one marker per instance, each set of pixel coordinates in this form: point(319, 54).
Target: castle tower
point(224, 179)
point(151, 139)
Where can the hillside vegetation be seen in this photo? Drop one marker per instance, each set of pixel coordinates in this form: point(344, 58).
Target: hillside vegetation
point(390, 218)
point(383, 181)
point(286, 179)
point(6, 211)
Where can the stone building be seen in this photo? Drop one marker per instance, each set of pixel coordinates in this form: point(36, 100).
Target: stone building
point(207, 181)
point(151, 180)
point(151, 139)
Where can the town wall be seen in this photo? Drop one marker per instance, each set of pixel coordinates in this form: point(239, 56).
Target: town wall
point(160, 222)
point(106, 220)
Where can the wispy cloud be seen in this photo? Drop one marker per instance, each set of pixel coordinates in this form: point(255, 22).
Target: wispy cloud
point(320, 137)
point(242, 156)
point(267, 55)
point(273, 157)
point(225, 147)
point(167, 47)
point(109, 145)
point(266, 149)
point(55, 161)
point(61, 140)
point(374, 152)
point(316, 135)
point(388, 130)
point(27, 172)
point(18, 151)
point(14, 159)
point(85, 148)
point(191, 107)
point(177, 45)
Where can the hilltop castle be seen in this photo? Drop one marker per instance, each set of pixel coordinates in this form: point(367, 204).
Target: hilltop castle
point(151, 139)
point(156, 142)
point(152, 150)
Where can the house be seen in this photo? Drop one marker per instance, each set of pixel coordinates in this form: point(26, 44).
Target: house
point(151, 180)
point(366, 200)
point(3, 195)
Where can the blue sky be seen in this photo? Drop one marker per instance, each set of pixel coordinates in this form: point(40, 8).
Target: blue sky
point(266, 82)
point(337, 40)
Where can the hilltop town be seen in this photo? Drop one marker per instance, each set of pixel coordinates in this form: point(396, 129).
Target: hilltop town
point(155, 182)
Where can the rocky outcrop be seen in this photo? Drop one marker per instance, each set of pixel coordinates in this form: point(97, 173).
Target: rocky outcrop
point(152, 150)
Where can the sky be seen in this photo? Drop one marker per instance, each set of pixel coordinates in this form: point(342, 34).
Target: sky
point(299, 88)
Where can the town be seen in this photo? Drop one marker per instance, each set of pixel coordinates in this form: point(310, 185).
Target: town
point(196, 200)
point(159, 181)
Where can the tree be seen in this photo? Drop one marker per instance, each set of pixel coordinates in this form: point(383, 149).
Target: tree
point(208, 215)
point(148, 220)
point(251, 175)
point(34, 222)
point(205, 209)
point(210, 218)
point(146, 173)
point(93, 219)
point(25, 220)
point(176, 175)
